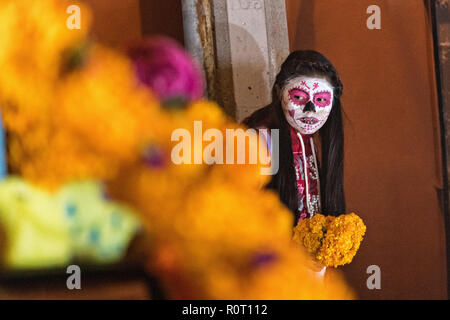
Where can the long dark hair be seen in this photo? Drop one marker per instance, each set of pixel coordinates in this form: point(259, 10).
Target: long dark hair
point(307, 63)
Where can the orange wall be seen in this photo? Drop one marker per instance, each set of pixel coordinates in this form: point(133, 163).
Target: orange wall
point(118, 22)
point(162, 17)
point(392, 164)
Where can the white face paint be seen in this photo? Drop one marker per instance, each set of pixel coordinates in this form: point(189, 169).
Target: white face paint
point(307, 103)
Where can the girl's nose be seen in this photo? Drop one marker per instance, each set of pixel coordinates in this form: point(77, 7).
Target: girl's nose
point(309, 107)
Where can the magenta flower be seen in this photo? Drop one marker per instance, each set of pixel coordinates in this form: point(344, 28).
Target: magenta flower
point(167, 69)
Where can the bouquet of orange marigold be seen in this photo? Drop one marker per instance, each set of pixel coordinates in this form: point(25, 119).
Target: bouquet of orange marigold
point(333, 241)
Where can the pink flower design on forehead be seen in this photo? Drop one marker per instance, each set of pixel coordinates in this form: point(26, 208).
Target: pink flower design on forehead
point(303, 83)
point(316, 84)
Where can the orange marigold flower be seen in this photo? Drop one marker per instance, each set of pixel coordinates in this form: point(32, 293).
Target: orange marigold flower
point(333, 241)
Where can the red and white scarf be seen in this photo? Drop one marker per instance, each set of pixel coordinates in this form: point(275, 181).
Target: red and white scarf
point(308, 185)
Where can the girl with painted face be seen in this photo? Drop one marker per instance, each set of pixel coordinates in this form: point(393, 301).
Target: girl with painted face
point(305, 101)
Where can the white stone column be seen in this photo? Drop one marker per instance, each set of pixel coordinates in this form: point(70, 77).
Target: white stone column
point(242, 44)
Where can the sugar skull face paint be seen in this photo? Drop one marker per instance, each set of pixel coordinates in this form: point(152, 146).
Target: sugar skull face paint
point(307, 103)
